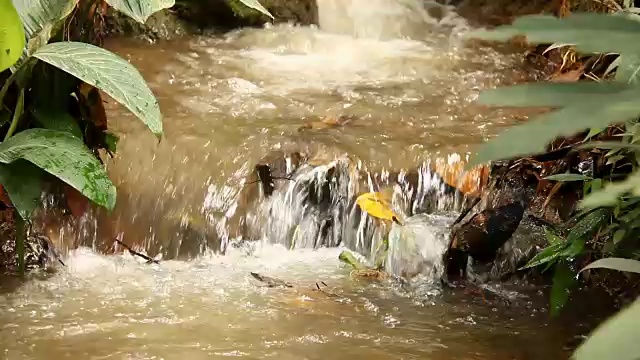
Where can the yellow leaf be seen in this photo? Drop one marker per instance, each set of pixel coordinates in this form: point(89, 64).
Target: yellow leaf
point(375, 205)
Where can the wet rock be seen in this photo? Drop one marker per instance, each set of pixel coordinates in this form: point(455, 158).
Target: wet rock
point(304, 12)
point(225, 15)
point(416, 248)
point(165, 24)
point(39, 251)
point(481, 237)
point(271, 173)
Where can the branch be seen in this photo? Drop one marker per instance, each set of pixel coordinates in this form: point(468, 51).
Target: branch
point(135, 253)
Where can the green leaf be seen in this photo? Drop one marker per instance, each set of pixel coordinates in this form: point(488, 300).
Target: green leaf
point(616, 338)
point(628, 68)
point(23, 183)
point(42, 19)
point(254, 4)
point(533, 136)
point(108, 72)
point(111, 142)
point(552, 238)
point(58, 120)
point(564, 279)
point(619, 235)
point(549, 254)
point(65, 157)
point(12, 38)
point(568, 177)
point(140, 10)
point(610, 194)
point(609, 145)
point(348, 258)
point(619, 264)
point(589, 225)
point(549, 95)
point(587, 32)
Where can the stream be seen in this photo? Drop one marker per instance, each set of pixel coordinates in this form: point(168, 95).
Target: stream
point(409, 81)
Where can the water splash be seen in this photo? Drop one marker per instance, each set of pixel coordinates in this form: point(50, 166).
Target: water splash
point(386, 19)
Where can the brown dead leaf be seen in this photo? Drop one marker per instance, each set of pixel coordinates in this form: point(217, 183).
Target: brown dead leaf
point(95, 106)
point(470, 182)
point(568, 76)
point(4, 197)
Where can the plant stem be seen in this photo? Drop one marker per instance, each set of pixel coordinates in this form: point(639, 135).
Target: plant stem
point(17, 114)
point(7, 84)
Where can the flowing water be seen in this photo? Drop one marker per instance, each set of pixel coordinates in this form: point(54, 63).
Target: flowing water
point(408, 80)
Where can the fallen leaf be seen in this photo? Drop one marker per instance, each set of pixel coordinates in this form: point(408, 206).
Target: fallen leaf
point(375, 205)
point(4, 197)
point(94, 103)
point(470, 182)
point(568, 76)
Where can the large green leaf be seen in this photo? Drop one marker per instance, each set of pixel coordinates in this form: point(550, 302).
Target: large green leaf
point(588, 32)
point(533, 136)
point(564, 279)
point(42, 18)
point(59, 120)
point(65, 157)
point(108, 72)
point(550, 95)
point(254, 4)
point(12, 38)
point(628, 70)
point(620, 264)
point(23, 182)
point(140, 10)
point(617, 338)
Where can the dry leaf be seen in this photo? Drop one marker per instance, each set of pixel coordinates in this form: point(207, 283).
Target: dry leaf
point(467, 182)
point(4, 197)
point(97, 112)
point(375, 205)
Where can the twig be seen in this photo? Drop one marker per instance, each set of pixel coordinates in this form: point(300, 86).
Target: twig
point(466, 210)
point(135, 253)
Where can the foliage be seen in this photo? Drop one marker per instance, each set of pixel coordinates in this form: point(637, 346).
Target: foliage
point(51, 126)
point(140, 10)
point(609, 222)
point(11, 35)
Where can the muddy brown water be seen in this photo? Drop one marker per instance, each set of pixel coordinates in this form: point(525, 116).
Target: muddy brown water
point(227, 100)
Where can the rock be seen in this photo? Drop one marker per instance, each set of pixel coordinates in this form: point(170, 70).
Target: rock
point(164, 24)
point(303, 12)
point(416, 248)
